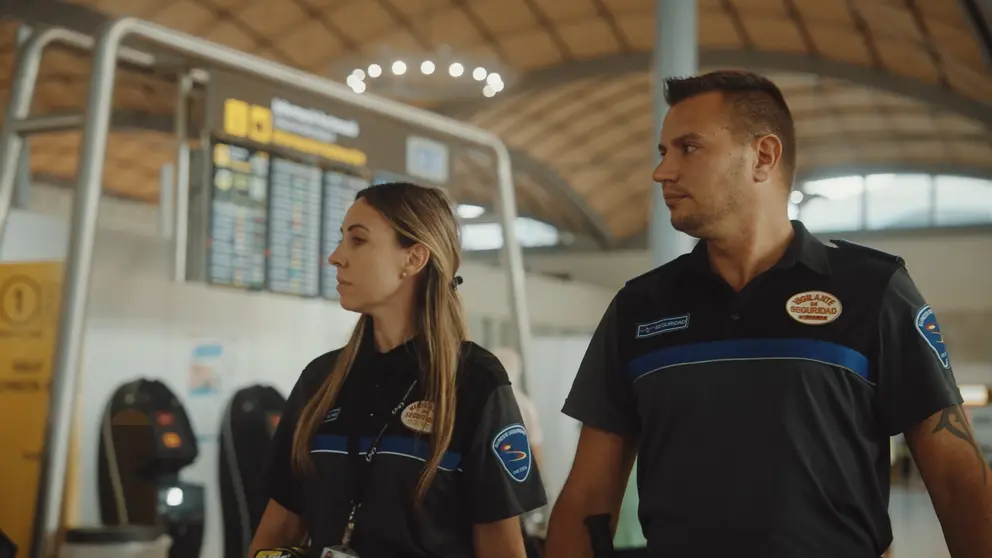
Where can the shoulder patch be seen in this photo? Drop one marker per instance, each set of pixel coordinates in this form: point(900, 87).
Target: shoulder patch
point(512, 446)
point(869, 251)
point(926, 324)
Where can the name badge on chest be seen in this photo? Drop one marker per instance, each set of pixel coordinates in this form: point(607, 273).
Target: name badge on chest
point(338, 552)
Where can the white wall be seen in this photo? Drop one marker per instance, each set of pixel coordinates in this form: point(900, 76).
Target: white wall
point(141, 324)
point(554, 363)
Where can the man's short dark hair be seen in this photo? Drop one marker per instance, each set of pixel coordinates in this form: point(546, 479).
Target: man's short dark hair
point(757, 106)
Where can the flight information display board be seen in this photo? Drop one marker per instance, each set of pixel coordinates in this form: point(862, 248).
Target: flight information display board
point(238, 216)
point(339, 194)
point(294, 228)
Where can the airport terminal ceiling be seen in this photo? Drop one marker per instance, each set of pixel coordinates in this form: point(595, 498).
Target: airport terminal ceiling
point(875, 85)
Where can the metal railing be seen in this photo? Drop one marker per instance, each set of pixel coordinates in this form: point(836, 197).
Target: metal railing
point(96, 124)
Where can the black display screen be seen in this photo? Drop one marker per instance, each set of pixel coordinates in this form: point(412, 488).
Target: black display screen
point(294, 228)
point(339, 194)
point(238, 216)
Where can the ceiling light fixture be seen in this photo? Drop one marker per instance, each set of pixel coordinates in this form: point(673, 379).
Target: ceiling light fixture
point(469, 211)
point(441, 74)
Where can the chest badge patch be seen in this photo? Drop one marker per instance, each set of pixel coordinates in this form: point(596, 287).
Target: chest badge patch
point(926, 324)
point(512, 447)
point(814, 307)
point(664, 325)
point(419, 417)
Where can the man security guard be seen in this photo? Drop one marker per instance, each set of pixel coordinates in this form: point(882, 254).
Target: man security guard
point(758, 379)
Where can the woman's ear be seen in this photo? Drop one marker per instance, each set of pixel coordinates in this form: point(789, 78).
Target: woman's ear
point(416, 258)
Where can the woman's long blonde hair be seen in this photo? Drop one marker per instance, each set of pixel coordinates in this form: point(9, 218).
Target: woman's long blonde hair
point(424, 216)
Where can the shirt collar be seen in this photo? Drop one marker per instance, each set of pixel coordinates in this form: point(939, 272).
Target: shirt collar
point(804, 249)
point(367, 351)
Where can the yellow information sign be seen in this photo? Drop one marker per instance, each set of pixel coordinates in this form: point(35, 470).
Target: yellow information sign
point(29, 314)
point(254, 122)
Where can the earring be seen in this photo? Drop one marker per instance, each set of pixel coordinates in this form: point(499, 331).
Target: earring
point(403, 275)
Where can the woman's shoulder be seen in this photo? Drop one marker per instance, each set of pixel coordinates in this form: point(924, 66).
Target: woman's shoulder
point(480, 372)
point(323, 360)
point(318, 369)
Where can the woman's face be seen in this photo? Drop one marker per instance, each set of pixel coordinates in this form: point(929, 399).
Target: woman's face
point(371, 264)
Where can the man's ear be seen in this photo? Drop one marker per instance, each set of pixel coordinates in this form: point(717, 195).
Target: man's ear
point(769, 150)
point(417, 257)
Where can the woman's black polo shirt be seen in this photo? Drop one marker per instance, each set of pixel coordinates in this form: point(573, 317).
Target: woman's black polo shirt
point(487, 474)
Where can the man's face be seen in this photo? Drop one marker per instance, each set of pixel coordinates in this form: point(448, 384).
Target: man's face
point(703, 167)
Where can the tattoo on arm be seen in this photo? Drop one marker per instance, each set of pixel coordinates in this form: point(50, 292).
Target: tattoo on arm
point(953, 421)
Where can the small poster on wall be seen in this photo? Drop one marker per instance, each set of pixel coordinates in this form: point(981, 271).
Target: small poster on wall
point(209, 379)
point(206, 368)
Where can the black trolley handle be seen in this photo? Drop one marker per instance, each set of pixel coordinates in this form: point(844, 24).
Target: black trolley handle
point(599, 535)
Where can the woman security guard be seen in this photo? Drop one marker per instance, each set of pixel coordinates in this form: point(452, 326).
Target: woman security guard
point(407, 442)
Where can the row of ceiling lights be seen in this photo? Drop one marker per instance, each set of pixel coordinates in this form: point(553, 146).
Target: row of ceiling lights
point(494, 82)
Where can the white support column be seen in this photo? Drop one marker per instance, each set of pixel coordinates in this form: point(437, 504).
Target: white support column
point(676, 54)
point(22, 181)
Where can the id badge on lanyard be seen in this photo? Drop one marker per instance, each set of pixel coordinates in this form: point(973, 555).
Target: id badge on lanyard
point(344, 549)
point(338, 552)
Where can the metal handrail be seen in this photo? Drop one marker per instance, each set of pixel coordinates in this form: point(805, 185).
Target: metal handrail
point(87, 196)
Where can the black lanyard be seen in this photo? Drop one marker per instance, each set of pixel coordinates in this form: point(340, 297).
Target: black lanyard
point(364, 470)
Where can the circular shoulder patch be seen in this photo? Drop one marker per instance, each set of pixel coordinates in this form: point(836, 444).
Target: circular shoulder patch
point(926, 324)
point(512, 447)
point(814, 307)
point(419, 417)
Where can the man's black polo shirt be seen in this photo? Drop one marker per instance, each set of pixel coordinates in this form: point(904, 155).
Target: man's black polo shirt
point(763, 417)
point(487, 473)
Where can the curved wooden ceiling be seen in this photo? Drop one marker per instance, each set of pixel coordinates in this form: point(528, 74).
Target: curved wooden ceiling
point(906, 83)
point(602, 140)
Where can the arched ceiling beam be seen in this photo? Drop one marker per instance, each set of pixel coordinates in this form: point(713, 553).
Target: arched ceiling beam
point(979, 16)
point(545, 175)
point(87, 20)
point(875, 78)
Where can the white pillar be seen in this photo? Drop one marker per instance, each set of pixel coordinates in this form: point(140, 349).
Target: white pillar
point(676, 54)
point(22, 182)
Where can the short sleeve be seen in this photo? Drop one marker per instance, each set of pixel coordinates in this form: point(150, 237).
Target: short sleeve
point(280, 481)
point(914, 379)
point(601, 395)
point(503, 480)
